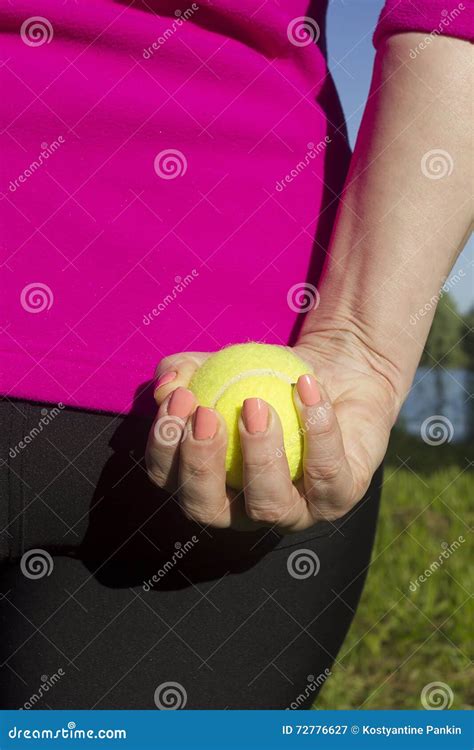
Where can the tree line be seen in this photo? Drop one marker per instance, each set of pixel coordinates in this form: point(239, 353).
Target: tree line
point(451, 339)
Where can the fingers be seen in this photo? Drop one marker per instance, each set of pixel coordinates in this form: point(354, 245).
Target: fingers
point(328, 480)
point(175, 404)
point(202, 471)
point(186, 452)
point(270, 497)
point(176, 371)
point(162, 451)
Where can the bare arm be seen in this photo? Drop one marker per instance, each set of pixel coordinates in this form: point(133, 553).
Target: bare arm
point(397, 234)
point(406, 209)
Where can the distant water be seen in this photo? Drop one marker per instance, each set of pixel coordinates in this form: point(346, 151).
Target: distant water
point(438, 406)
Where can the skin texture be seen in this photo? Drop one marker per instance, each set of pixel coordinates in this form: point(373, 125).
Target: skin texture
point(396, 237)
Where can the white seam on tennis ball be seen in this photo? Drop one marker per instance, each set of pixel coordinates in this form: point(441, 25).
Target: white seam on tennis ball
point(250, 374)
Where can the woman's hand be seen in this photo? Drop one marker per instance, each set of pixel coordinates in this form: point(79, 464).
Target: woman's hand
point(397, 234)
point(346, 414)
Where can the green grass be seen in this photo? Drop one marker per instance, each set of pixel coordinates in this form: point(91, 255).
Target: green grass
point(400, 639)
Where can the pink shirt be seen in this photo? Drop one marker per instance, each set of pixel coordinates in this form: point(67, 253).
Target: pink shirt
point(163, 180)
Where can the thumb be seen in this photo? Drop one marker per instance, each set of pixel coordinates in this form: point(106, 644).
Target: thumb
point(175, 371)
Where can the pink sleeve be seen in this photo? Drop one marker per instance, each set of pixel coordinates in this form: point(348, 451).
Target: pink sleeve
point(435, 17)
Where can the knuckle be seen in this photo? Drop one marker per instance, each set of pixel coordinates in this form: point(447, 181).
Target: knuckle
point(163, 365)
point(156, 476)
point(196, 469)
point(194, 510)
point(331, 515)
point(333, 512)
point(321, 420)
point(263, 513)
point(322, 471)
point(266, 459)
point(324, 425)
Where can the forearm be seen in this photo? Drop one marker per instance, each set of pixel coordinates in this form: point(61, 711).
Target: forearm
point(398, 230)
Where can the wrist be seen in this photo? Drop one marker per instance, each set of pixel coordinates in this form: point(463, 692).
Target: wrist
point(347, 347)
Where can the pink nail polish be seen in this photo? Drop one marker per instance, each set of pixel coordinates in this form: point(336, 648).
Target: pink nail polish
point(181, 403)
point(204, 423)
point(308, 390)
point(167, 377)
point(255, 415)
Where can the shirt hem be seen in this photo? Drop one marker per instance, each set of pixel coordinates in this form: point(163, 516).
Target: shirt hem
point(90, 386)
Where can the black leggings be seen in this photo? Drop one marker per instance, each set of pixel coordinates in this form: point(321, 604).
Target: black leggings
point(108, 594)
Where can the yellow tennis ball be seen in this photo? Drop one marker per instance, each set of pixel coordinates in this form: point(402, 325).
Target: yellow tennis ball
point(251, 370)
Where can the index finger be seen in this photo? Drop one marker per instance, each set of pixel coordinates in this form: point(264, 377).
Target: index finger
point(176, 371)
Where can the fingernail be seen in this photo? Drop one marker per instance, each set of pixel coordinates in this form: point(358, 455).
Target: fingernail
point(255, 415)
point(167, 377)
point(308, 390)
point(181, 403)
point(204, 423)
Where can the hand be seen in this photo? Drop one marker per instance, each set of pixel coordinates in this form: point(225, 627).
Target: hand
point(346, 413)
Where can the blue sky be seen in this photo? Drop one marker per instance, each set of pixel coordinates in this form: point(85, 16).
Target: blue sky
point(350, 27)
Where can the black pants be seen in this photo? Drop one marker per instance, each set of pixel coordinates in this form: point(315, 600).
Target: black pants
point(109, 598)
